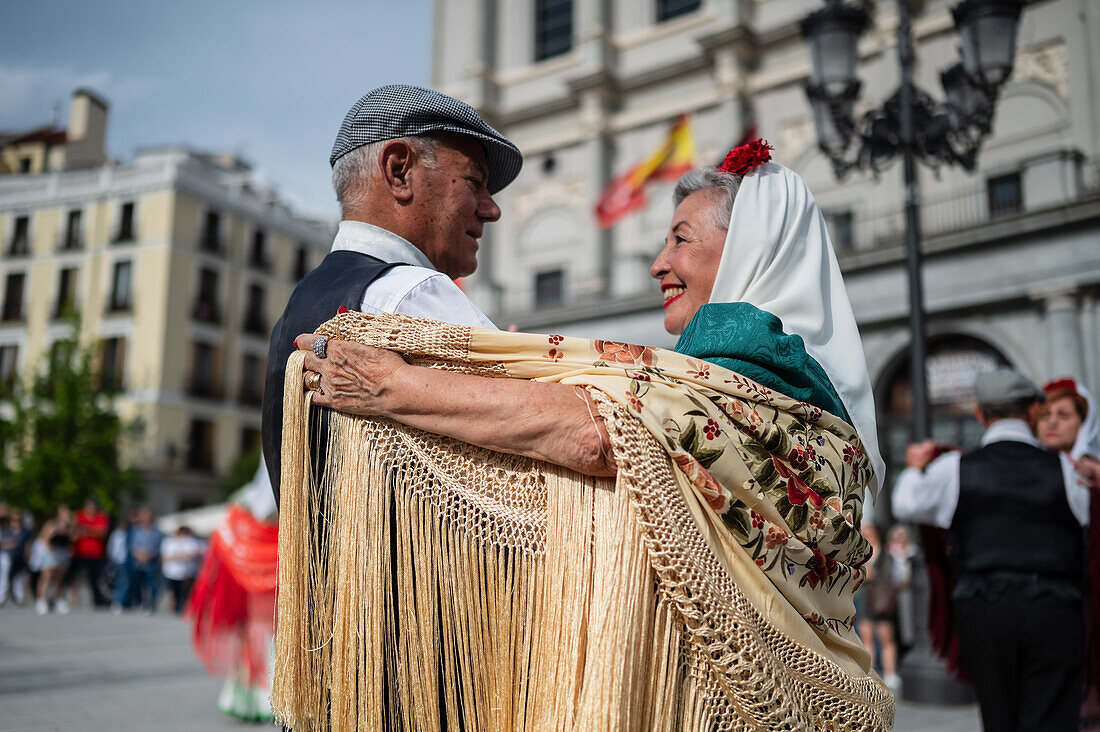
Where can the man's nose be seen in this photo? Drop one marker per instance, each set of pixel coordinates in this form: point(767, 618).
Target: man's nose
point(488, 209)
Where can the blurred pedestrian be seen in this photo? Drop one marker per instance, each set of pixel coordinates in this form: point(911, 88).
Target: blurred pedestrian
point(144, 561)
point(50, 557)
point(879, 604)
point(1015, 519)
point(89, 551)
point(899, 543)
point(118, 563)
point(20, 541)
point(181, 555)
point(8, 541)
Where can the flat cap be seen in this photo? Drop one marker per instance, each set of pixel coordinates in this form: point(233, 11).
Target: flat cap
point(400, 110)
point(1004, 386)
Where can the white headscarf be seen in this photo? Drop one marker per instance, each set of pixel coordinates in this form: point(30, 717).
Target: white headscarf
point(1088, 437)
point(778, 258)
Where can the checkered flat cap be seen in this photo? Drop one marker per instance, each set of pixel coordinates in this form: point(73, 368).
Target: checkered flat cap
point(400, 110)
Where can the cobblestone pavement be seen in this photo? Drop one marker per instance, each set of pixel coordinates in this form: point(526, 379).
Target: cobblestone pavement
point(98, 672)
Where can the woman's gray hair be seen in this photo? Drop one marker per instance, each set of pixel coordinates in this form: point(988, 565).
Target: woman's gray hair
point(709, 178)
point(352, 174)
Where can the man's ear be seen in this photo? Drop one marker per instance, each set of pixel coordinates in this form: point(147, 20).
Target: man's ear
point(981, 417)
point(397, 160)
point(1033, 414)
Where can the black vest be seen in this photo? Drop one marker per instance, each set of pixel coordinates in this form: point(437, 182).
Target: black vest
point(1013, 515)
point(340, 279)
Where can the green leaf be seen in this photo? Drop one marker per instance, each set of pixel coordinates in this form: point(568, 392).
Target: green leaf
point(796, 517)
point(688, 437)
point(737, 520)
point(707, 456)
point(696, 413)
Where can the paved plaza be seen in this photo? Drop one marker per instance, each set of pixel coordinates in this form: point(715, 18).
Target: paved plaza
point(98, 672)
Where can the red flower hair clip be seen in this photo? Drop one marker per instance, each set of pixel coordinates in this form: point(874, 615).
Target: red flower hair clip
point(1067, 384)
point(741, 160)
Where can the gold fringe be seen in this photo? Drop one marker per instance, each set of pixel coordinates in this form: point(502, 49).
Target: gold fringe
point(422, 581)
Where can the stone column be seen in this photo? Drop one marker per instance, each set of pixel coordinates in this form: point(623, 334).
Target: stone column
point(1065, 355)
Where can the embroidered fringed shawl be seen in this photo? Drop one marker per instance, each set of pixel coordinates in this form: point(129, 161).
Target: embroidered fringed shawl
point(708, 586)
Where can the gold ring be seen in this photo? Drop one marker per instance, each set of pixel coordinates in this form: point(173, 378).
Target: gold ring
point(313, 381)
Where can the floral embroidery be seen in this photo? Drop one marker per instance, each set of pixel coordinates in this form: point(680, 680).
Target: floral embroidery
point(716, 496)
point(616, 352)
point(711, 429)
point(785, 478)
point(699, 369)
point(776, 536)
point(821, 568)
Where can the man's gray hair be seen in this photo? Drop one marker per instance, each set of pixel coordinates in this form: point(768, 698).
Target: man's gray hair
point(709, 178)
point(352, 174)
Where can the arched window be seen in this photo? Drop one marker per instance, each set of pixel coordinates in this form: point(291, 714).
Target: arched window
point(954, 361)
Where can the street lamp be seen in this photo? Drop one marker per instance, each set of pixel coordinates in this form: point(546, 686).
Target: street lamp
point(911, 123)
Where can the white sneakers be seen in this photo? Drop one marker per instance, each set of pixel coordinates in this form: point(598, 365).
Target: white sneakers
point(893, 681)
point(61, 607)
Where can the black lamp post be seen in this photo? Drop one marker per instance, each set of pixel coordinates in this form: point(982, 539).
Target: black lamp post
point(910, 123)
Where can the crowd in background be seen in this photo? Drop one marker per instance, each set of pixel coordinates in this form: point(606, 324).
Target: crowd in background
point(123, 562)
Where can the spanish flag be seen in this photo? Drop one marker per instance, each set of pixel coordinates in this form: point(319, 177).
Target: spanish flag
point(626, 193)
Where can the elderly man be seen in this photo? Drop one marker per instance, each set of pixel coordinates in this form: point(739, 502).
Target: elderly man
point(414, 172)
point(1015, 513)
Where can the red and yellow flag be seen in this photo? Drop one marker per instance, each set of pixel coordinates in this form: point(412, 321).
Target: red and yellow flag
point(626, 193)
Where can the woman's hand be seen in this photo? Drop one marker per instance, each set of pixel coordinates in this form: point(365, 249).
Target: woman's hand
point(354, 378)
point(1088, 470)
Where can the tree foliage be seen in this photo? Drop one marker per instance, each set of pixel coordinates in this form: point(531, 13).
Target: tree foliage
point(60, 441)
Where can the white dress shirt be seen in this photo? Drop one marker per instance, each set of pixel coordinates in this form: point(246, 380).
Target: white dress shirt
point(931, 497)
point(414, 289)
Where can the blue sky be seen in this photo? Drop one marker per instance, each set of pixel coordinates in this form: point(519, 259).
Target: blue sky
point(268, 80)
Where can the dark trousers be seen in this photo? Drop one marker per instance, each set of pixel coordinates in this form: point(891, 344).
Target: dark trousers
point(181, 590)
point(144, 585)
point(1026, 658)
point(93, 568)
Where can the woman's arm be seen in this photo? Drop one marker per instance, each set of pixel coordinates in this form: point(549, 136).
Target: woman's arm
point(551, 422)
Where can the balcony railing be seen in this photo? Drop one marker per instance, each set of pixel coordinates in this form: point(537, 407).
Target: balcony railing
point(250, 395)
point(119, 304)
point(207, 312)
point(71, 241)
point(211, 243)
point(19, 246)
point(256, 325)
point(204, 388)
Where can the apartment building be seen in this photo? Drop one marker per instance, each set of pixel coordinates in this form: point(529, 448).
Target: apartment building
point(178, 268)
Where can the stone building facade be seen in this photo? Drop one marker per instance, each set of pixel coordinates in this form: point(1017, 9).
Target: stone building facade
point(588, 88)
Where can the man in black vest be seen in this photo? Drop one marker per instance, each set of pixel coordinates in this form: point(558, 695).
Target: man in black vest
point(1015, 516)
point(414, 172)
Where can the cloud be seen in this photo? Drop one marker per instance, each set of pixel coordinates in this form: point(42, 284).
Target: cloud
point(31, 93)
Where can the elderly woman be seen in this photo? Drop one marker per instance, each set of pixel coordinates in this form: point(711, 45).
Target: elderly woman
point(764, 410)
